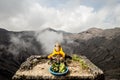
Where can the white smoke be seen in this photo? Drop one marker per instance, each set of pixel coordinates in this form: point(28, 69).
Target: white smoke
point(48, 39)
point(18, 41)
point(18, 44)
point(45, 38)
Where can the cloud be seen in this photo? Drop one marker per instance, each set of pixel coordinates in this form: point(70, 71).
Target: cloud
point(72, 16)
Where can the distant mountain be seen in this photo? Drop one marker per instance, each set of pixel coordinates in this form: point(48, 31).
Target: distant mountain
point(3, 30)
point(57, 31)
point(102, 47)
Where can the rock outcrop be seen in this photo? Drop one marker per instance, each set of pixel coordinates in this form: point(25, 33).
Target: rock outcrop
point(37, 67)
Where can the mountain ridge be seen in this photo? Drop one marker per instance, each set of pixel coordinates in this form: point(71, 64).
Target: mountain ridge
point(101, 48)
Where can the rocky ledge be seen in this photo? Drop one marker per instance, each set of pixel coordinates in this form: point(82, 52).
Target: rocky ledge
point(37, 68)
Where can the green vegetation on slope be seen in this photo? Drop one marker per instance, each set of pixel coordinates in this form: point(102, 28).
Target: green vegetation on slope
point(80, 60)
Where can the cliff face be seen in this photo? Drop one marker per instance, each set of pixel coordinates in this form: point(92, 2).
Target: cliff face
point(101, 47)
point(37, 67)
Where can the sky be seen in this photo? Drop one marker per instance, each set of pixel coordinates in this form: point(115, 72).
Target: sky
point(68, 15)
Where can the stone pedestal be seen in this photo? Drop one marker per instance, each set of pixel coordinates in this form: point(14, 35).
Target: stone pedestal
point(37, 68)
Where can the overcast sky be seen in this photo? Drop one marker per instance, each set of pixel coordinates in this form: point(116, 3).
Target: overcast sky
point(67, 15)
